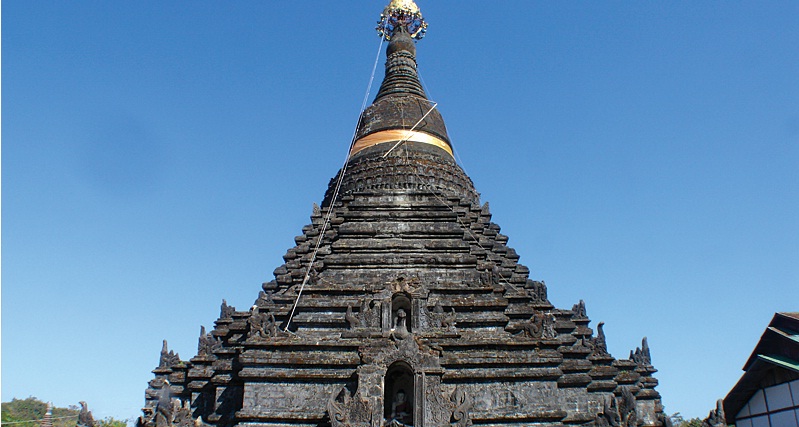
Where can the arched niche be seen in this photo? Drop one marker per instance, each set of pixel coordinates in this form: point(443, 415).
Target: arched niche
point(401, 312)
point(399, 400)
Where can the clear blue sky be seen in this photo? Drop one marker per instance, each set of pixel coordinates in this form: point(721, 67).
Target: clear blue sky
point(160, 156)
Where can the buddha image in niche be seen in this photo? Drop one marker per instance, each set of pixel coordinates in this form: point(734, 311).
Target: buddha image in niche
point(401, 409)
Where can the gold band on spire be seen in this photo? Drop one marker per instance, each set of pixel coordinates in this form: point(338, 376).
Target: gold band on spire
point(396, 135)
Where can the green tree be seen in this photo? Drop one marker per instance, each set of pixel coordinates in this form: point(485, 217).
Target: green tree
point(676, 419)
point(30, 412)
point(693, 422)
point(111, 422)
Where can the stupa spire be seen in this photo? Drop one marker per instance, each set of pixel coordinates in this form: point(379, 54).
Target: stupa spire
point(401, 110)
point(401, 75)
point(400, 23)
point(47, 421)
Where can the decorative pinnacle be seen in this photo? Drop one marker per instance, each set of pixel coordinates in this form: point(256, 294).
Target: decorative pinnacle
point(401, 13)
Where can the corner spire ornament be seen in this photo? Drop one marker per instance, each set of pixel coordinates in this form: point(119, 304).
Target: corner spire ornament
point(401, 13)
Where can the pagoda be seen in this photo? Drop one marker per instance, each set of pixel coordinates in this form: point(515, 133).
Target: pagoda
point(402, 304)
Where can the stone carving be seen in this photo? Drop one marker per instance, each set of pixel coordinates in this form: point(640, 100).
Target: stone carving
point(310, 277)
point(579, 310)
point(262, 324)
point(226, 311)
point(208, 343)
point(164, 407)
point(168, 358)
point(490, 276)
point(610, 411)
point(641, 354)
point(353, 320)
point(549, 327)
point(413, 352)
point(716, 418)
point(461, 404)
point(505, 399)
point(401, 328)
point(85, 418)
point(345, 410)
point(437, 406)
point(537, 291)
point(169, 412)
point(405, 285)
point(609, 417)
point(183, 416)
point(599, 343)
point(441, 319)
point(338, 408)
point(540, 326)
point(627, 414)
point(367, 318)
point(313, 276)
point(584, 343)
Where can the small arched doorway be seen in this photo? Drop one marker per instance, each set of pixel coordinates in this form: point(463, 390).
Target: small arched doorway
point(398, 399)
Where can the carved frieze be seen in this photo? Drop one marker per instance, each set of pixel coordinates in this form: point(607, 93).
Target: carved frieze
point(537, 291)
point(262, 324)
point(438, 408)
point(168, 411)
point(462, 405)
point(226, 311)
point(627, 412)
point(287, 397)
point(168, 357)
point(85, 418)
point(599, 343)
point(540, 326)
point(641, 355)
point(207, 343)
point(346, 410)
point(367, 320)
point(510, 398)
point(579, 311)
point(403, 284)
point(716, 418)
point(609, 417)
point(265, 297)
point(490, 276)
point(440, 319)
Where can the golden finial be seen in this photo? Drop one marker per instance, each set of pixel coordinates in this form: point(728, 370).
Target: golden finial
point(408, 6)
point(402, 13)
